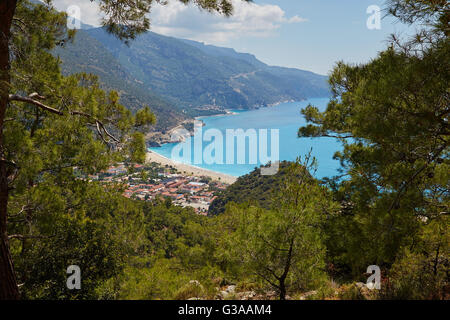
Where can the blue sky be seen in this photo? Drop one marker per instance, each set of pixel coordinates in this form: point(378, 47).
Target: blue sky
point(334, 30)
point(306, 34)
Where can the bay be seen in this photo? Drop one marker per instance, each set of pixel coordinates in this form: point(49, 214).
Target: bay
point(285, 117)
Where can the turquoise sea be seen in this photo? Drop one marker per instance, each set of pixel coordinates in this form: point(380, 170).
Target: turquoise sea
point(285, 117)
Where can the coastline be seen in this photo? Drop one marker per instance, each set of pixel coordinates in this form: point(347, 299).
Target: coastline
point(190, 169)
point(194, 170)
point(162, 139)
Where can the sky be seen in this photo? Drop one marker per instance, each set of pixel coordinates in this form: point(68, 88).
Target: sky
point(306, 34)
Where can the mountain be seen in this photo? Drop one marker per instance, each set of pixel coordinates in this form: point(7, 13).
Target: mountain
point(225, 52)
point(88, 55)
point(251, 188)
point(195, 76)
point(181, 79)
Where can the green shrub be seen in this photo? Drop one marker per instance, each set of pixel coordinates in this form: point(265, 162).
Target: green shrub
point(191, 290)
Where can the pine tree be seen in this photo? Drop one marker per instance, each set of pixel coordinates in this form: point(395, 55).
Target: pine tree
point(283, 246)
point(392, 117)
point(49, 123)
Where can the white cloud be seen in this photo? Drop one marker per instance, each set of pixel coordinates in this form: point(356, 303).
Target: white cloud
point(297, 19)
point(178, 20)
point(89, 11)
point(249, 19)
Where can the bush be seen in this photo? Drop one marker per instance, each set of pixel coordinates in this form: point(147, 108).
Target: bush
point(413, 277)
point(191, 290)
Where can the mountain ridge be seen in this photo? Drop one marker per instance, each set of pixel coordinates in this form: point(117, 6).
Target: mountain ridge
point(191, 75)
point(181, 79)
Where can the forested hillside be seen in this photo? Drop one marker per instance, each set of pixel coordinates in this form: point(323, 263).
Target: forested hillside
point(181, 78)
point(251, 188)
point(287, 236)
point(86, 54)
point(194, 77)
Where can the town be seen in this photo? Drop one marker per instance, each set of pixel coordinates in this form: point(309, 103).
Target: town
point(151, 181)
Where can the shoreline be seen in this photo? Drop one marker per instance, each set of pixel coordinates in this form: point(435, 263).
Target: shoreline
point(153, 156)
point(229, 112)
point(188, 169)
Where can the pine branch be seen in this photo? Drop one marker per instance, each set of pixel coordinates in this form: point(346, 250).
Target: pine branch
point(32, 100)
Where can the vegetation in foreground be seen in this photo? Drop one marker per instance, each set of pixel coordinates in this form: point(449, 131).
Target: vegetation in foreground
point(312, 239)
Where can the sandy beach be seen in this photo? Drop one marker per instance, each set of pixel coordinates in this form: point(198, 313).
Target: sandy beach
point(189, 169)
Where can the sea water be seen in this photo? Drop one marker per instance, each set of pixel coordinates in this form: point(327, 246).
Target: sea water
point(285, 117)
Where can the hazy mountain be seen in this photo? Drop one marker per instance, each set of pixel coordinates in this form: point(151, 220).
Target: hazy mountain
point(196, 75)
point(183, 78)
point(226, 52)
point(88, 55)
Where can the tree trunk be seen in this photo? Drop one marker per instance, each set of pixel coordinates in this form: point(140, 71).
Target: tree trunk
point(282, 279)
point(282, 289)
point(8, 282)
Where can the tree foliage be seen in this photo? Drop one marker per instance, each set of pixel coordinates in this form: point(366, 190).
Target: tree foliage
point(252, 188)
point(126, 19)
point(50, 125)
point(392, 117)
point(283, 246)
